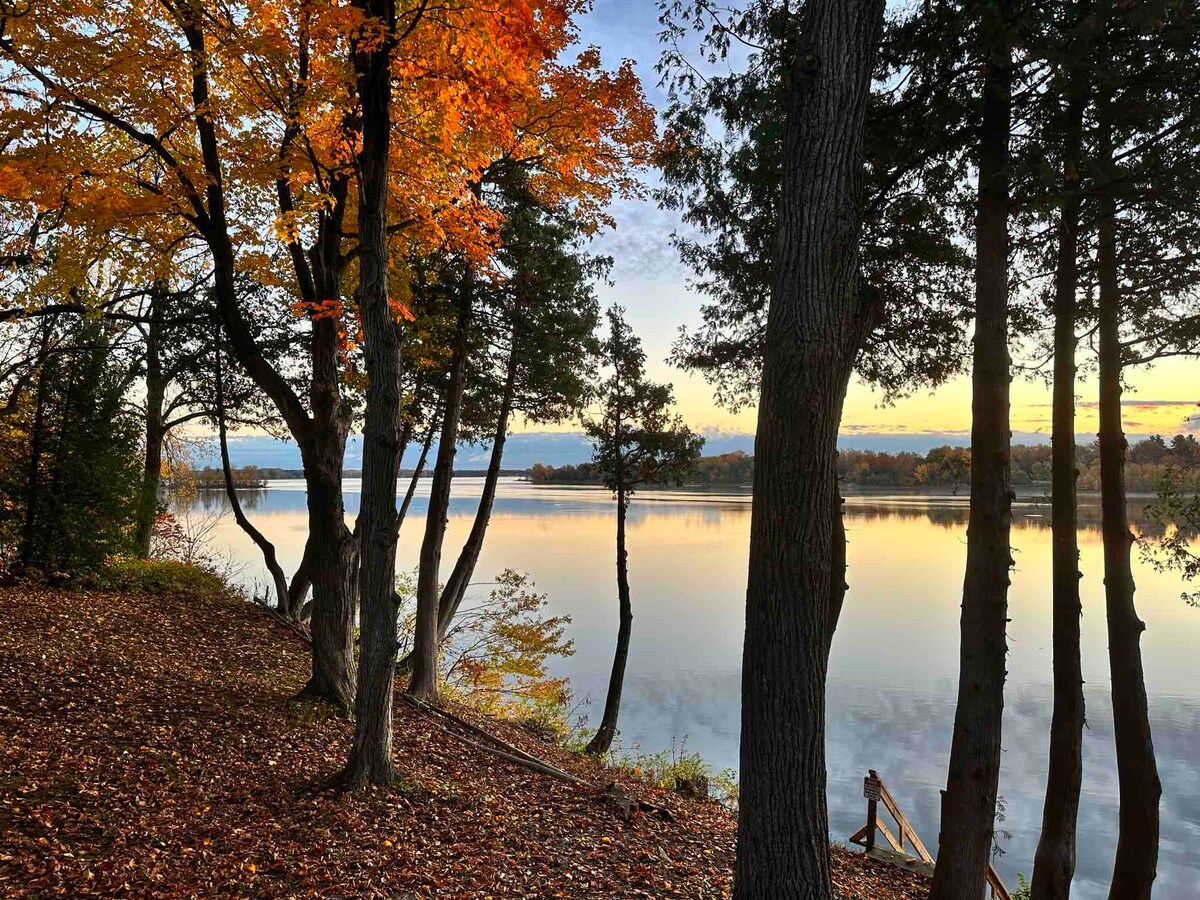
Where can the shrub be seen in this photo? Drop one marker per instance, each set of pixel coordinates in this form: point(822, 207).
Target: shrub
point(496, 654)
point(677, 769)
point(157, 577)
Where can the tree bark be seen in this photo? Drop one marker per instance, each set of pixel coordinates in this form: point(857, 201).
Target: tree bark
point(817, 322)
point(602, 740)
point(332, 565)
point(331, 553)
point(1136, 863)
point(837, 591)
point(1054, 862)
point(424, 685)
point(969, 801)
point(370, 759)
point(464, 568)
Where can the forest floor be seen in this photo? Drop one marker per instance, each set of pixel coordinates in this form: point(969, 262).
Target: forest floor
point(149, 747)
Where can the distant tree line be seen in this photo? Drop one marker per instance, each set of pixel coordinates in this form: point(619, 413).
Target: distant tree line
point(243, 476)
point(1150, 460)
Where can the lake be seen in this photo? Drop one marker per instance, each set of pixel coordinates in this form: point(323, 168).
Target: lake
point(894, 665)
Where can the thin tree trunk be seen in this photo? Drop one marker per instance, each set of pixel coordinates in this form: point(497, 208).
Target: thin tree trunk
point(1054, 862)
point(260, 540)
point(33, 488)
point(460, 578)
point(816, 324)
point(154, 433)
point(418, 470)
point(969, 801)
point(602, 740)
point(423, 685)
point(1136, 863)
point(370, 759)
point(299, 586)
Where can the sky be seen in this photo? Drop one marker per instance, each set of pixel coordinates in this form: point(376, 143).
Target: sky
point(650, 282)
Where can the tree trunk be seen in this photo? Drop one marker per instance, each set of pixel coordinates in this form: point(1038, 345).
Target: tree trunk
point(333, 565)
point(460, 578)
point(969, 801)
point(603, 738)
point(816, 324)
point(152, 455)
point(418, 469)
point(1137, 773)
point(331, 561)
point(837, 591)
point(278, 579)
point(300, 584)
point(33, 487)
point(424, 685)
point(370, 759)
point(1054, 862)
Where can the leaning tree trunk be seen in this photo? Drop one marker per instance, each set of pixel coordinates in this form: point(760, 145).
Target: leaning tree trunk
point(154, 434)
point(817, 322)
point(1054, 862)
point(370, 759)
point(260, 540)
point(1137, 773)
point(602, 740)
point(418, 471)
point(969, 801)
point(468, 558)
point(424, 685)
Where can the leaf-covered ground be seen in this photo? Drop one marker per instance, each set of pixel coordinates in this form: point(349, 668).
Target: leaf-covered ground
point(149, 748)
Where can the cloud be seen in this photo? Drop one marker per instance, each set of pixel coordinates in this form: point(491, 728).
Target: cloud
point(1127, 403)
point(641, 245)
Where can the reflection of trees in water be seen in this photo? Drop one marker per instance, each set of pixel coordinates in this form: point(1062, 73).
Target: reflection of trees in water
point(1029, 513)
point(1028, 516)
point(215, 500)
point(689, 514)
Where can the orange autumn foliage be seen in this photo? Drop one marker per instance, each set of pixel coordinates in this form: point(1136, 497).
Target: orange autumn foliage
point(103, 132)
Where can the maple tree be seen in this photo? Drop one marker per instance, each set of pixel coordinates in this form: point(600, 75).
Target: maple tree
point(235, 128)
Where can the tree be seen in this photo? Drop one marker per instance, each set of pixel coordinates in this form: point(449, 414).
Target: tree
point(370, 759)
point(969, 801)
point(543, 316)
point(204, 121)
point(803, 115)
point(1054, 861)
point(71, 484)
point(725, 181)
point(637, 440)
point(423, 684)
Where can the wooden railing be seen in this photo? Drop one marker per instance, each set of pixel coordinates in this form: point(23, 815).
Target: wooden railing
point(876, 792)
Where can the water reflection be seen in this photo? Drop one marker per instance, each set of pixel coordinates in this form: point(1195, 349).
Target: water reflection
point(212, 499)
point(893, 670)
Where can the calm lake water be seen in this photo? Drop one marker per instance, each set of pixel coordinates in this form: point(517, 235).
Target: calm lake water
point(894, 666)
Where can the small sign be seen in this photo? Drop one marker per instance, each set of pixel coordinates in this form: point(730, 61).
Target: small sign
point(872, 788)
